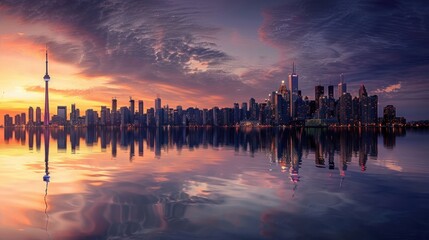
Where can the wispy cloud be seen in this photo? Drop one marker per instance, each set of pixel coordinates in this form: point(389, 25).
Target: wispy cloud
point(389, 89)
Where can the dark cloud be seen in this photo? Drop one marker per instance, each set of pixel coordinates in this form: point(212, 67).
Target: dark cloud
point(147, 41)
point(372, 42)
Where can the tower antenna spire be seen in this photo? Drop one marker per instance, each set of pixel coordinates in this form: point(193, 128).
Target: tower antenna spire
point(293, 67)
point(46, 77)
point(46, 47)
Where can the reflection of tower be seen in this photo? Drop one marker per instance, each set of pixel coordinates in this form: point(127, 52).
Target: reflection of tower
point(132, 150)
point(46, 78)
point(114, 142)
point(46, 136)
point(158, 136)
point(46, 177)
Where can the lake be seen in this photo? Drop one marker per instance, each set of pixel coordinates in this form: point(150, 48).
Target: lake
point(214, 183)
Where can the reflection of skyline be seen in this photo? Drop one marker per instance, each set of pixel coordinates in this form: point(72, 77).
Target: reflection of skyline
point(148, 198)
point(283, 146)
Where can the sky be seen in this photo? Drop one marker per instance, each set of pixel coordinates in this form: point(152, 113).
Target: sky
point(210, 53)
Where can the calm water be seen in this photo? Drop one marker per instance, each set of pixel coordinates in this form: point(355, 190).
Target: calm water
point(214, 184)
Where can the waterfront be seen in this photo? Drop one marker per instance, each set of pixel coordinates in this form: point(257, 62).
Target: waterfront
point(212, 183)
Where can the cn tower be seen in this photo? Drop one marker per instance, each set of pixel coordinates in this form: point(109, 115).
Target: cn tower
point(46, 78)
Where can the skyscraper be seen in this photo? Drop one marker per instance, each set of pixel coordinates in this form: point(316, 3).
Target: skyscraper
point(140, 107)
point(345, 109)
point(389, 114)
point(62, 112)
point(158, 112)
point(23, 119)
point(331, 91)
point(362, 91)
point(114, 105)
point(342, 86)
point(319, 91)
point(132, 106)
point(157, 104)
point(73, 116)
point(46, 78)
point(38, 116)
point(293, 87)
point(30, 116)
point(236, 113)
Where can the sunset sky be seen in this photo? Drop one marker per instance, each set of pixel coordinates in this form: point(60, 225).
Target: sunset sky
point(210, 53)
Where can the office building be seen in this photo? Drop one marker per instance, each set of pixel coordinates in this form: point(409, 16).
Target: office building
point(293, 87)
point(389, 114)
point(30, 116)
point(141, 107)
point(62, 113)
point(319, 91)
point(38, 116)
point(342, 86)
point(331, 91)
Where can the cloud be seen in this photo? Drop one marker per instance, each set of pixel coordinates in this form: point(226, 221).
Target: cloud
point(370, 41)
point(146, 41)
point(389, 89)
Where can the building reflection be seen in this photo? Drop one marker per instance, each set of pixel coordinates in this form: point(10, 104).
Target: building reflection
point(332, 148)
point(46, 176)
point(129, 211)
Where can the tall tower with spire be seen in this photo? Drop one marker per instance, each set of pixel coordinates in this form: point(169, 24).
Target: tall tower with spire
point(46, 78)
point(293, 87)
point(342, 86)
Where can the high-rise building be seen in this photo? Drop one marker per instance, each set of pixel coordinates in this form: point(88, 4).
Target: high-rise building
point(362, 91)
point(38, 116)
point(330, 91)
point(23, 119)
point(216, 117)
point(46, 78)
point(104, 115)
point(293, 87)
point(280, 110)
point(389, 114)
point(283, 88)
point(253, 109)
point(158, 112)
point(17, 120)
point(132, 106)
point(73, 115)
point(90, 117)
point(114, 105)
point(157, 104)
point(30, 116)
point(236, 113)
point(319, 91)
point(342, 86)
point(62, 112)
point(345, 109)
point(115, 116)
point(141, 107)
point(368, 109)
point(244, 114)
point(8, 121)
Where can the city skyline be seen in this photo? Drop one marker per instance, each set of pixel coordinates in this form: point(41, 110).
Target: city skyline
point(187, 55)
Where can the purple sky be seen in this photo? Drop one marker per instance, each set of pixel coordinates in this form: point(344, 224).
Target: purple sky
point(219, 52)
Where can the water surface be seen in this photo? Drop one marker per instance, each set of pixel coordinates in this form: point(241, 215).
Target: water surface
point(214, 183)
